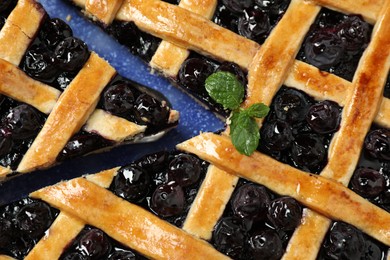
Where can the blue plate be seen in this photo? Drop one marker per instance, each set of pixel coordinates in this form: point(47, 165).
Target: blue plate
point(193, 117)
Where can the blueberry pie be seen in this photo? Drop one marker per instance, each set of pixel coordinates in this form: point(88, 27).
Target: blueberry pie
point(316, 188)
point(322, 67)
point(60, 100)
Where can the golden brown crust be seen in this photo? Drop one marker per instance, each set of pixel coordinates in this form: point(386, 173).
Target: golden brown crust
point(360, 110)
point(187, 30)
point(16, 84)
point(70, 113)
point(113, 215)
point(112, 127)
point(369, 9)
point(168, 57)
point(210, 202)
point(103, 10)
point(63, 230)
point(272, 62)
point(323, 195)
point(19, 29)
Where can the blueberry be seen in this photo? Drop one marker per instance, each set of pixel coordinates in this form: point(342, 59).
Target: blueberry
point(6, 141)
point(308, 152)
point(39, 63)
point(285, 213)
point(372, 251)
point(131, 183)
point(184, 169)
point(355, 33)
point(324, 48)
point(7, 232)
point(64, 79)
point(34, 219)
point(54, 31)
point(24, 121)
point(344, 242)
point(154, 162)
point(368, 182)
point(235, 70)
point(149, 110)
point(265, 244)
point(230, 235)
point(6, 4)
point(74, 256)
point(324, 117)
point(94, 244)
point(237, 6)
point(377, 144)
point(168, 200)
point(291, 105)
point(225, 18)
point(254, 24)
point(119, 99)
point(193, 74)
point(71, 54)
point(2, 22)
point(82, 143)
point(139, 43)
point(122, 255)
point(250, 201)
point(276, 135)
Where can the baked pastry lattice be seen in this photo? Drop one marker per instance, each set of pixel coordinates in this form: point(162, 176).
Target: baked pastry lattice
point(44, 60)
point(269, 66)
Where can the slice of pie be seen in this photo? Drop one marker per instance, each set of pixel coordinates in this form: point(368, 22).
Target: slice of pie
point(61, 100)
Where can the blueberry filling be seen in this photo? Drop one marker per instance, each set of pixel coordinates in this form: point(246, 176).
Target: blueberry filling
point(20, 124)
point(55, 56)
point(344, 241)
point(22, 225)
point(193, 73)
point(81, 144)
point(6, 7)
point(256, 224)
point(253, 19)
point(387, 87)
point(164, 183)
point(92, 243)
point(139, 43)
point(336, 42)
point(371, 178)
point(298, 129)
point(125, 98)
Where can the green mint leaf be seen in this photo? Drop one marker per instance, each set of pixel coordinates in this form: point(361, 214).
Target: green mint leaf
point(244, 133)
point(258, 110)
point(225, 89)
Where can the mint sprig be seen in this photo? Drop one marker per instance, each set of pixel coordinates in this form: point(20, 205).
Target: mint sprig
point(228, 91)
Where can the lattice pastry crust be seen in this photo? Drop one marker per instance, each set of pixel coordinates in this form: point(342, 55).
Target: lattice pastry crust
point(68, 112)
point(269, 66)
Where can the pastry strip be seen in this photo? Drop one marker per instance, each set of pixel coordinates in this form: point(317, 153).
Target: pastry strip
point(70, 113)
point(112, 127)
point(369, 9)
point(168, 57)
point(210, 202)
point(113, 215)
point(17, 85)
point(323, 195)
point(19, 30)
point(63, 230)
point(103, 10)
point(358, 114)
point(260, 80)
